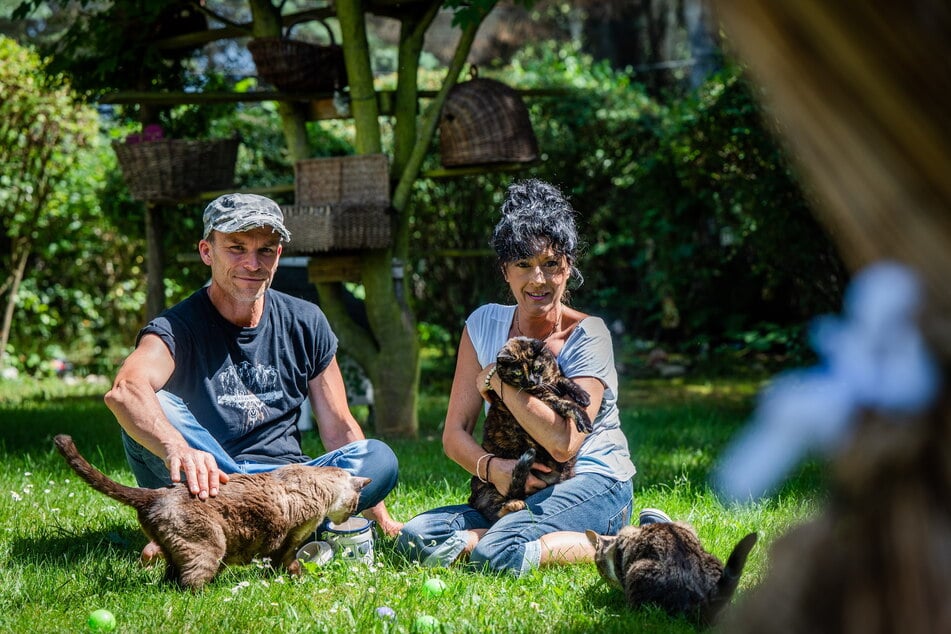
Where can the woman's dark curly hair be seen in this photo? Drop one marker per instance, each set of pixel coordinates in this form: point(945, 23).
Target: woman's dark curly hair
point(536, 215)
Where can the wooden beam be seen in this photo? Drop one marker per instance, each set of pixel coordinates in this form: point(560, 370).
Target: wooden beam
point(334, 267)
point(200, 38)
point(283, 188)
point(321, 106)
point(386, 8)
point(385, 96)
point(472, 170)
point(202, 198)
point(199, 98)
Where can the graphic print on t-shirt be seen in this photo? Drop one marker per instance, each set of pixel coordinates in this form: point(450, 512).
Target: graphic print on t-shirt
point(249, 388)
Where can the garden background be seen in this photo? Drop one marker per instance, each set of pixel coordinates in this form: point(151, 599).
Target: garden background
point(702, 254)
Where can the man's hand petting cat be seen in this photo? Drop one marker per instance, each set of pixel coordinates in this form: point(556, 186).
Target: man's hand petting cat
point(202, 475)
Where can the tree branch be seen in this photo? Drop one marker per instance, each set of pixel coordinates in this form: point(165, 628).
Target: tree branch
point(220, 18)
point(430, 118)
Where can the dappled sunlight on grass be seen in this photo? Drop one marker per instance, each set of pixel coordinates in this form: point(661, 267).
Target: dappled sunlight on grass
point(718, 392)
point(67, 550)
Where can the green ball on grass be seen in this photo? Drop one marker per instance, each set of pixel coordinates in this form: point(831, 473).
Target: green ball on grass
point(434, 586)
point(426, 623)
point(102, 621)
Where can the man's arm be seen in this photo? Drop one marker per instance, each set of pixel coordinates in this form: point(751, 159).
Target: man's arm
point(133, 402)
point(328, 396)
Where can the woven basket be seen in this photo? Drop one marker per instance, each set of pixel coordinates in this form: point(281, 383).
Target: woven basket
point(484, 121)
point(297, 66)
point(169, 170)
point(311, 228)
point(342, 203)
point(361, 178)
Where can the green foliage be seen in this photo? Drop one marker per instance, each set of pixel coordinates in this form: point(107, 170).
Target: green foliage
point(698, 232)
point(111, 46)
point(68, 550)
point(52, 164)
point(466, 12)
point(724, 229)
point(697, 228)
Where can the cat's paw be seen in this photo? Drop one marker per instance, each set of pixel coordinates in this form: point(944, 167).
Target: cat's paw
point(582, 398)
point(511, 506)
point(583, 423)
point(293, 568)
point(575, 392)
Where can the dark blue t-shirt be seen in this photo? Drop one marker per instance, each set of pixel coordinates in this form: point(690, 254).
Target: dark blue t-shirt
point(246, 385)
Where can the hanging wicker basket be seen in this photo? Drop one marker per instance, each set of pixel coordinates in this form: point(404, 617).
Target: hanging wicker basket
point(298, 66)
point(170, 170)
point(342, 203)
point(484, 121)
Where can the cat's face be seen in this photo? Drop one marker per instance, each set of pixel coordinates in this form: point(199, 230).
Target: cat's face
point(605, 556)
point(526, 362)
point(338, 490)
point(347, 498)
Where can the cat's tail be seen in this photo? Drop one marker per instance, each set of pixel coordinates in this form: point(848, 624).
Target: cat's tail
point(517, 494)
point(729, 580)
point(132, 496)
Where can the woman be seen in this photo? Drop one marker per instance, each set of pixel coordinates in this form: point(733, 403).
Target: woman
point(536, 242)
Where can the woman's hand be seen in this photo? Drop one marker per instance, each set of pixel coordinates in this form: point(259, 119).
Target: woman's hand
point(485, 380)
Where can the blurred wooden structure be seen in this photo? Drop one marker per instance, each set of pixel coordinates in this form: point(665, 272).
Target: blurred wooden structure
point(862, 93)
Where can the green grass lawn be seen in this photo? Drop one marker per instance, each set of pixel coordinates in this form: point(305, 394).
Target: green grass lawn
point(67, 550)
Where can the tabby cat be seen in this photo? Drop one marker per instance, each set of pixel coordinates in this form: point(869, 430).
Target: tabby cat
point(528, 365)
point(666, 564)
point(267, 515)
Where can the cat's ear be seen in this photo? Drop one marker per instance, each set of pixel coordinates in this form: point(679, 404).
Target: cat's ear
point(593, 537)
point(537, 346)
point(359, 483)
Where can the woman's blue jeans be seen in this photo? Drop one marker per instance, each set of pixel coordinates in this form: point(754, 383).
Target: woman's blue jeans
point(365, 458)
point(586, 501)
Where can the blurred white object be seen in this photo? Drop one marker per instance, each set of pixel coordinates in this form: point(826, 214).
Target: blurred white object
point(318, 553)
point(873, 358)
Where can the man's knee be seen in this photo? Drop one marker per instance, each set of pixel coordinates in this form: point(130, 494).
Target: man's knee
point(383, 461)
point(149, 470)
point(382, 467)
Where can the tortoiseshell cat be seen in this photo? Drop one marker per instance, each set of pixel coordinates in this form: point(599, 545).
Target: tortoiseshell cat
point(666, 564)
point(526, 364)
point(259, 515)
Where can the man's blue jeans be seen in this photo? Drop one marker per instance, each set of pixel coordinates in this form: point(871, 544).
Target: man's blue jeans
point(366, 458)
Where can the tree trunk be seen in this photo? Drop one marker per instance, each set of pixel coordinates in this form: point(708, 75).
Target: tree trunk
point(155, 262)
point(389, 350)
point(17, 278)
point(363, 106)
point(702, 33)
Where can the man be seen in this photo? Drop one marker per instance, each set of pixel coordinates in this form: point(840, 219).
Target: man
point(215, 383)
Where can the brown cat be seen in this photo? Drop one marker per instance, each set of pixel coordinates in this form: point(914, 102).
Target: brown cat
point(266, 515)
point(665, 564)
point(528, 365)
